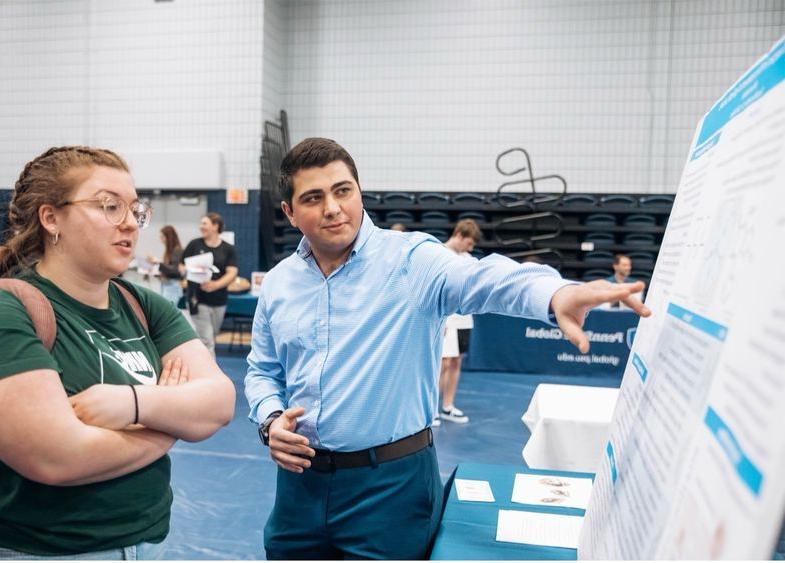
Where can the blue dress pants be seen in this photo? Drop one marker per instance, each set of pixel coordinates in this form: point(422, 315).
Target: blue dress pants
point(390, 511)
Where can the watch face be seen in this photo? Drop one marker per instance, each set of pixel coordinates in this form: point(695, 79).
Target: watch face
point(262, 434)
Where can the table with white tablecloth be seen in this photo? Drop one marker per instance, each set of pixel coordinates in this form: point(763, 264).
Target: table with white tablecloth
point(569, 426)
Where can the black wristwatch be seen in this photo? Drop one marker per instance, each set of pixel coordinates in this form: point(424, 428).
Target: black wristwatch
point(264, 427)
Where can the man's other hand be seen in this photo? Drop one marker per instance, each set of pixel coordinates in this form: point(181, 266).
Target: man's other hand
point(287, 448)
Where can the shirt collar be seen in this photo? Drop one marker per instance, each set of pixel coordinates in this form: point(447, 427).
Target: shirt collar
point(366, 228)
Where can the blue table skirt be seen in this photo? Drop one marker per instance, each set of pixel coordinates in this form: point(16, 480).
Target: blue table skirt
point(500, 343)
point(468, 529)
point(242, 305)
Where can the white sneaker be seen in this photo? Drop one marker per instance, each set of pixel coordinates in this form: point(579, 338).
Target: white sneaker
point(454, 415)
point(437, 421)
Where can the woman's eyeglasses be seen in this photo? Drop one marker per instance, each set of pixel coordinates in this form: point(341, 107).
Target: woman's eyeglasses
point(115, 209)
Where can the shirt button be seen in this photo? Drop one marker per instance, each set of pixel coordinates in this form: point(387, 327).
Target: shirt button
point(321, 323)
point(316, 403)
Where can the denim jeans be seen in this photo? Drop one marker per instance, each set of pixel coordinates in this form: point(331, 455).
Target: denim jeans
point(143, 551)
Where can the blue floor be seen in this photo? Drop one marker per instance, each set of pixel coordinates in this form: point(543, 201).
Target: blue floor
point(224, 488)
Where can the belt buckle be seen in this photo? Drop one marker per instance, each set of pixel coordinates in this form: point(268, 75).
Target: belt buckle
point(323, 463)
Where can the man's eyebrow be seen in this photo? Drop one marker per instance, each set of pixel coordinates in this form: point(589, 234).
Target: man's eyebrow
point(309, 192)
point(319, 191)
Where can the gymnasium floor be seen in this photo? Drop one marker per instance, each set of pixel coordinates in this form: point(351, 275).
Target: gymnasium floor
point(224, 488)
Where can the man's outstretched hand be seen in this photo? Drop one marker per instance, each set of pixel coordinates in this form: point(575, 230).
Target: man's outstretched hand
point(572, 303)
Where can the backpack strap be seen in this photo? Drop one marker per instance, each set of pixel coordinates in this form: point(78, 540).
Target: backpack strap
point(131, 299)
point(38, 308)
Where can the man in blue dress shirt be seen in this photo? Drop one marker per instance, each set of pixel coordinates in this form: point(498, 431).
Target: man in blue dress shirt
point(344, 366)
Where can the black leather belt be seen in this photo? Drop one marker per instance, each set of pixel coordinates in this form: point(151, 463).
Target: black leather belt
point(326, 461)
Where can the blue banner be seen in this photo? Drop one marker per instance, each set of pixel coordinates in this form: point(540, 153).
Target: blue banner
point(500, 343)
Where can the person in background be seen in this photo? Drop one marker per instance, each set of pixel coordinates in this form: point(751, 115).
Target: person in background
point(400, 227)
point(458, 328)
point(622, 266)
point(207, 301)
point(344, 366)
point(169, 265)
point(86, 426)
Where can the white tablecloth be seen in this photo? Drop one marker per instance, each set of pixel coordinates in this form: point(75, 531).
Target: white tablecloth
point(569, 426)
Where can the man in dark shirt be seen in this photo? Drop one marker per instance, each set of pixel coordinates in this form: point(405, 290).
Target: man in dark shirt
point(622, 266)
point(207, 302)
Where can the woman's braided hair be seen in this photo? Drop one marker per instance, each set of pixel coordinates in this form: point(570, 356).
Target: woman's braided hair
point(47, 179)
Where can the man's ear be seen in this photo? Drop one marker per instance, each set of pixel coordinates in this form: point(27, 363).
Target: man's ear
point(48, 218)
point(286, 208)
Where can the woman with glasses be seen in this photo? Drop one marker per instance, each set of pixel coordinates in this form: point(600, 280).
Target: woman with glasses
point(86, 426)
point(169, 265)
point(207, 301)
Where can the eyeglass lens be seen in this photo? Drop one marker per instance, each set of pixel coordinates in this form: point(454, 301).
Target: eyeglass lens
point(116, 210)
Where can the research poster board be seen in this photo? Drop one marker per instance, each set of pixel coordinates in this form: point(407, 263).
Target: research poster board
point(695, 464)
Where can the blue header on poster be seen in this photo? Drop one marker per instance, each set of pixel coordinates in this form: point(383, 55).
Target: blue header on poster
point(701, 323)
point(746, 469)
point(640, 367)
point(761, 78)
point(612, 461)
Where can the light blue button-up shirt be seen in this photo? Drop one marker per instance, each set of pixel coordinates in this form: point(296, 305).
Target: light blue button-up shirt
point(361, 349)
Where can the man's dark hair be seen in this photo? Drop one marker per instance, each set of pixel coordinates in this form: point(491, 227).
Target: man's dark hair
point(313, 152)
point(618, 257)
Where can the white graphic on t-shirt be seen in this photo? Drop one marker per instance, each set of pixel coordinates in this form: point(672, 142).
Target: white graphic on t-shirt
point(133, 362)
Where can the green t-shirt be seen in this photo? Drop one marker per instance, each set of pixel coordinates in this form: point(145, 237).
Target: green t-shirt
point(92, 346)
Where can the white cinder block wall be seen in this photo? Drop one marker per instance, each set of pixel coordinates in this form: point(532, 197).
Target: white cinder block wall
point(135, 75)
point(424, 93)
point(274, 78)
point(607, 93)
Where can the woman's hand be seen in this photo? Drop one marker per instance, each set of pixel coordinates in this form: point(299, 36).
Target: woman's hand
point(174, 373)
point(114, 406)
point(107, 406)
point(210, 286)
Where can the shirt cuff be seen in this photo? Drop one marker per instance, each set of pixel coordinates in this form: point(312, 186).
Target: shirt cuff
point(543, 291)
point(262, 410)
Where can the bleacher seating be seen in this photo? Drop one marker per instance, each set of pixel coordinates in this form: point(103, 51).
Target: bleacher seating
point(518, 225)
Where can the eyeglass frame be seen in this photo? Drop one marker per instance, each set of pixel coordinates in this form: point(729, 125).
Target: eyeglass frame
point(103, 201)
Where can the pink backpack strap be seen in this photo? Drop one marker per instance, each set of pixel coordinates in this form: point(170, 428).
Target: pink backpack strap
point(134, 303)
point(38, 308)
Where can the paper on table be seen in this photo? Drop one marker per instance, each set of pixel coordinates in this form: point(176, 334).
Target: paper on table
point(469, 489)
point(199, 268)
point(551, 490)
point(537, 528)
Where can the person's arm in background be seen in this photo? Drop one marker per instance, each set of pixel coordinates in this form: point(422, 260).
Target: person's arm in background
point(44, 441)
point(192, 411)
point(171, 269)
point(265, 389)
point(497, 284)
point(187, 251)
point(228, 277)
